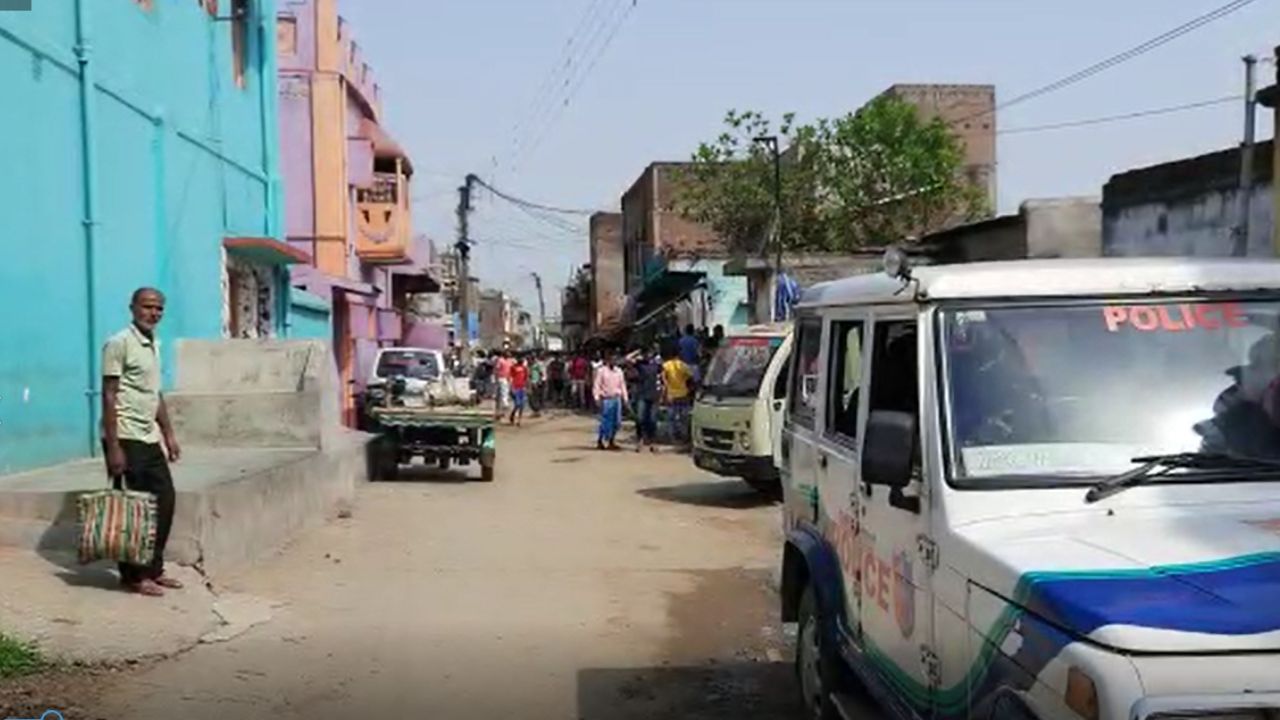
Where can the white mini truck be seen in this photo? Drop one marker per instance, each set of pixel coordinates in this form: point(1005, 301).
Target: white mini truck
point(1037, 489)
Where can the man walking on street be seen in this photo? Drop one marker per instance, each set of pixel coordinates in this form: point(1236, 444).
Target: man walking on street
point(677, 394)
point(689, 348)
point(610, 392)
point(648, 374)
point(134, 423)
point(578, 371)
point(537, 384)
point(502, 372)
point(519, 390)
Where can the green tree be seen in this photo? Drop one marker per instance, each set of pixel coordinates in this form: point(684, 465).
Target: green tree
point(887, 175)
point(729, 185)
point(866, 179)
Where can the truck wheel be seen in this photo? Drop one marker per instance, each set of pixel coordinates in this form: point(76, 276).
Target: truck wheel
point(768, 487)
point(816, 665)
point(444, 463)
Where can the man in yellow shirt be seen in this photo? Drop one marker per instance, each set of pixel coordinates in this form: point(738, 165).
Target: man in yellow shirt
point(677, 394)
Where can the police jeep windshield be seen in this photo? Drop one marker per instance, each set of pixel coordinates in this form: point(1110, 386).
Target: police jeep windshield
point(1071, 393)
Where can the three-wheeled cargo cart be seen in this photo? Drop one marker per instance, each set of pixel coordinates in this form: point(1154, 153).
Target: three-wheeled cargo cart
point(441, 435)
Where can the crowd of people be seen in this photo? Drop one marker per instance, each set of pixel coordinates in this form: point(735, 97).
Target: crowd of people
point(654, 386)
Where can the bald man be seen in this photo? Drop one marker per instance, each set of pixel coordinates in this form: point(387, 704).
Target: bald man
point(134, 424)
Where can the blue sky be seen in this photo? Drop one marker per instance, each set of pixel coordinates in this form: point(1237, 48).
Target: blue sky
point(458, 76)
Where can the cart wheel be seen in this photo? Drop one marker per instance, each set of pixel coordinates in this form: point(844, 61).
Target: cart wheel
point(444, 463)
point(384, 461)
point(488, 460)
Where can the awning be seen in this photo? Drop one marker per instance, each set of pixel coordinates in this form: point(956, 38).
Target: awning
point(384, 145)
point(265, 251)
point(663, 292)
point(326, 285)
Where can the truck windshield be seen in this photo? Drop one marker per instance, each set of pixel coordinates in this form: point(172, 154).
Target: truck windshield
point(1068, 393)
point(738, 367)
point(419, 365)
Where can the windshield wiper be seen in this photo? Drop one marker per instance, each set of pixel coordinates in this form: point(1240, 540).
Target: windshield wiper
point(1154, 467)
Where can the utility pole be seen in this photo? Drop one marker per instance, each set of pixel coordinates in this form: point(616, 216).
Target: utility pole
point(1240, 247)
point(542, 312)
point(463, 246)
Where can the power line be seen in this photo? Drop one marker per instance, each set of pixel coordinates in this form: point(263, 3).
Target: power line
point(564, 63)
point(1124, 116)
point(1133, 52)
point(530, 204)
point(557, 111)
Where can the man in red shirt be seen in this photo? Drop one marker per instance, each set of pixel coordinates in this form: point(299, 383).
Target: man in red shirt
point(519, 390)
point(578, 370)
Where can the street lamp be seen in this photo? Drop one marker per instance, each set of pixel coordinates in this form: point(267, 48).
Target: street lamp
point(771, 142)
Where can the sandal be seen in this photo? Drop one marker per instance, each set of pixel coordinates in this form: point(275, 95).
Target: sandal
point(145, 587)
point(165, 581)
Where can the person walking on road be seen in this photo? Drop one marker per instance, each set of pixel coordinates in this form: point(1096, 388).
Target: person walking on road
point(610, 392)
point(137, 437)
point(578, 371)
point(648, 392)
point(537, 384)
point(502, 372)
point(519, 390)
point(689, 348)
point(677, 394)
point(556, 373)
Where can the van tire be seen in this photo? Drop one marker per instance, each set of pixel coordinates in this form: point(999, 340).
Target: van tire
point(817, 668)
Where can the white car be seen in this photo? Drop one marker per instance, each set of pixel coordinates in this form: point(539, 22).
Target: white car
point(1037, 489)
point(424, 374)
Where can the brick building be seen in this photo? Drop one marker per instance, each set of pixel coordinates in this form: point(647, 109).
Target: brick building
point(671, 263)
point(971, 112)
point(608, 270)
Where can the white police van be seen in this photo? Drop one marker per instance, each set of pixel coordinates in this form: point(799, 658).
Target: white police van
point(1037, 489)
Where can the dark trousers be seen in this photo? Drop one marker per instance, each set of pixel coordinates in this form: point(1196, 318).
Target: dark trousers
point(646, 420)
point(147, 470)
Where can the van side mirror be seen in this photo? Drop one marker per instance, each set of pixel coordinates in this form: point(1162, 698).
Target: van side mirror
point(889, 448)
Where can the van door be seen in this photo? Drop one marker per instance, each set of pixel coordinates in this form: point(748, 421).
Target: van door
point(778, 398)
point(838, 466)
point(896, 568)
point(799, 444)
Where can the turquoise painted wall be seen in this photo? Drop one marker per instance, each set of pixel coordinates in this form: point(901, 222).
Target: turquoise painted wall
point(310, 317)
point(135, 181)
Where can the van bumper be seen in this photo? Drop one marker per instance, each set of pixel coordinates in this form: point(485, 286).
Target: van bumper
point(753, 467)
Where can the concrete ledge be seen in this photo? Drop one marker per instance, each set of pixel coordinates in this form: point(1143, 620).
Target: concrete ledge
point(235, 505)
point(261, 419)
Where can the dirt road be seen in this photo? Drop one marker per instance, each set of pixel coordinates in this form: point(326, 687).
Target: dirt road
point(580, 585)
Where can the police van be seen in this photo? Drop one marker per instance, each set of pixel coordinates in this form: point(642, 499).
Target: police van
point(1037, 489)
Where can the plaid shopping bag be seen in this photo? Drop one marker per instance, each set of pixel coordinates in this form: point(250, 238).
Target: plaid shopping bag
point(117, 525)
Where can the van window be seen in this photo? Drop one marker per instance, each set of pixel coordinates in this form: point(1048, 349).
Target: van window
point(845, 377)
point(739, 366)
point(804, 387)
point(893, 367)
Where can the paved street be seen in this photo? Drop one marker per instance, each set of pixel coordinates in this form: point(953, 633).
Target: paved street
point(580, 585)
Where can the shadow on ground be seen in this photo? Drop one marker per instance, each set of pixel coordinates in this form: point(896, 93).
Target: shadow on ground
point(735, 690)
point(433, 474)
point(731, 494)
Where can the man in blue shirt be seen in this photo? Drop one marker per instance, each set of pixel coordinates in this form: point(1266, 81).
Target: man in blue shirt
point(689, 347)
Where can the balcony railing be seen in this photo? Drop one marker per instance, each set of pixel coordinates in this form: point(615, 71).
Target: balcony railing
point(382, 220)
